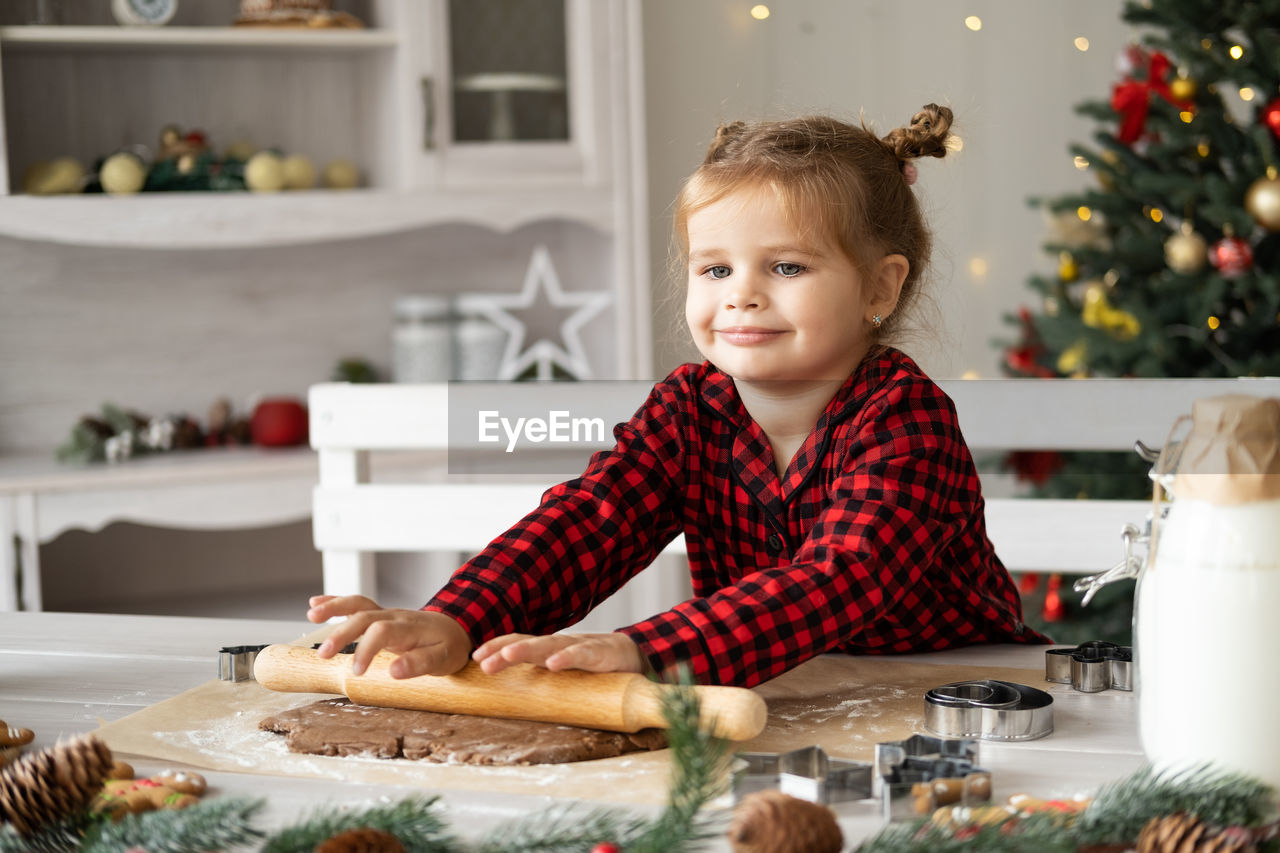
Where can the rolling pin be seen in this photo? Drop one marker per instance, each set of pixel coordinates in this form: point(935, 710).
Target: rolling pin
point(618, 701)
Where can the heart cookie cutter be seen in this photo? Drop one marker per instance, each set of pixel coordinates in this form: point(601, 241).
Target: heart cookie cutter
point(988, 709)
point(1091, 667)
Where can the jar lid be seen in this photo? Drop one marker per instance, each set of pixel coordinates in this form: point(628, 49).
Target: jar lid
point(422, 306)
point(1232, 454)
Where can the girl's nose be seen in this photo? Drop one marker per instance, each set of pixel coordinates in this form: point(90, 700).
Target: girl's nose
point(744, 294)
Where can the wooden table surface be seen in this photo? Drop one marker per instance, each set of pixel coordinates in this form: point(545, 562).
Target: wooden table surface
point(63, 674)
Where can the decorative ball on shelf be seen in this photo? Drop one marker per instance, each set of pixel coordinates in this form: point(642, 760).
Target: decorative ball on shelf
point(264, 173)
point(341, 175)
point(1231, 256)
point(53, 177)
point(1262, 200)
point(279, 422)
point(299, 172)
point(1186, 252)
point(143, 13)
point(123, 173)
point(1271, 117)
point(240, 149)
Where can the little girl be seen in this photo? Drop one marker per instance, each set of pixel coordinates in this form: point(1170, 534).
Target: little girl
point(826, 495)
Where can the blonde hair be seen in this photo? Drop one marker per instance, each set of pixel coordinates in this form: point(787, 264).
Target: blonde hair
point(833, 176)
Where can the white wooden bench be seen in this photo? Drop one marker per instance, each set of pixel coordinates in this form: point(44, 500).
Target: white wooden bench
point(355, 517)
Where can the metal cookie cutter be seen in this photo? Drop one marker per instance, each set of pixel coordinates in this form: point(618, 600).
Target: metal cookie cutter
point(235, 663)
point(1091, 667)
point(988, 709)
point(916, 775)
point(808, 773)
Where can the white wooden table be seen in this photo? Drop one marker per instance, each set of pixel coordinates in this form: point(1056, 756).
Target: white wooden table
point(60, 674)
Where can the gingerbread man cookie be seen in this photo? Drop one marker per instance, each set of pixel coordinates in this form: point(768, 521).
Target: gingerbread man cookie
point(172, 789)
point(12, 740)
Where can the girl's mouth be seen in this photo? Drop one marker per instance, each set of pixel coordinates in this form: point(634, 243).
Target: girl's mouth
point(747, 335)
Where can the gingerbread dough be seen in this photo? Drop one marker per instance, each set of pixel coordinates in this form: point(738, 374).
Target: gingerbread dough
point(338, 727)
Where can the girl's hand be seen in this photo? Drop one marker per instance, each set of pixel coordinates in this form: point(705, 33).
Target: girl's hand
point(590, 652)
point(429, 643)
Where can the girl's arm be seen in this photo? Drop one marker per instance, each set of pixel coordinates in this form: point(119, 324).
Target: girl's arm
point(587, 537)
point(869, 571)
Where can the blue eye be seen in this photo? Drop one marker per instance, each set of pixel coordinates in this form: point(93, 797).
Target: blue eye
point(718, 271)
point(788, 270)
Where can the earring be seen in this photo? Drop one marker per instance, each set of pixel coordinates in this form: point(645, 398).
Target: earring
point(876, 321)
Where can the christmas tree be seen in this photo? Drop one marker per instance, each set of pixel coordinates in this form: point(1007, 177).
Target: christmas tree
point(1168, 262)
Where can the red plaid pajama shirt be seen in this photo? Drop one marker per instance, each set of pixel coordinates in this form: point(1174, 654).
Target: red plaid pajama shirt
point(873, 542)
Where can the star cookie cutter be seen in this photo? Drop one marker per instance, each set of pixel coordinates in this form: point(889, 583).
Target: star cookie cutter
point(807, 773)
point(1091, 667)
point(917, 775)
point(988, 709)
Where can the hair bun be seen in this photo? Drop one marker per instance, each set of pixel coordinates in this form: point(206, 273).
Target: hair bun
point(925, 136)
point(725, 134)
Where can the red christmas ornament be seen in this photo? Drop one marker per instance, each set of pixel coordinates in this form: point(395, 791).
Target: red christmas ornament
point(1054, 610)
point(279, 422)
point(1271, 117)
point(1231, 256)
point(1028, 582)
point(606, 847)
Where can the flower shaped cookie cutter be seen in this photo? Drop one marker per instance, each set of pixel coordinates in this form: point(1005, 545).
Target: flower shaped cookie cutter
point(1091, 667)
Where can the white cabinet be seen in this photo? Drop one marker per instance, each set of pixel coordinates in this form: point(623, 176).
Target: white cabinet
point(441, 131)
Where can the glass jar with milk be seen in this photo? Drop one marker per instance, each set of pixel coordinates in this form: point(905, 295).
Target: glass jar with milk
point(1207, 617)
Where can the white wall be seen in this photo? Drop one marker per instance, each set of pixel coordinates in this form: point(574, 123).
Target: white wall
point(1013, 86)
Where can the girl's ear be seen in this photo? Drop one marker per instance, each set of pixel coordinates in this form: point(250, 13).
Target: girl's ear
point(886, 286)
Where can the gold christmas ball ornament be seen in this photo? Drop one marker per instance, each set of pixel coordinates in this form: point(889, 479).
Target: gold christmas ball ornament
point(1182, 88)
point(299, 173)
point(1186, 252)
point(264, 173)
point(53, 177)
point(1262, 200)
point(122, 173)
point(1068, 269)
point(341, 175)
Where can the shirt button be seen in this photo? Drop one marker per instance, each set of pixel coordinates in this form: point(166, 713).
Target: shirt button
point(775, 543)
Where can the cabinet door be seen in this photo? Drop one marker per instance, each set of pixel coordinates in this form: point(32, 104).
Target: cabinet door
point(509, 92)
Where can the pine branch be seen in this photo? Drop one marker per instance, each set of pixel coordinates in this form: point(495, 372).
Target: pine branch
point(62, 837)
point(218, 824)
point(567, 830)
point(1220, 798)
point(412, 821)
point(1038, 832)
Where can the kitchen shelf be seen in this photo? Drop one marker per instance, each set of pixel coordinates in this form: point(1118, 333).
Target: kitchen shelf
point(233, 219)
point(64, 39)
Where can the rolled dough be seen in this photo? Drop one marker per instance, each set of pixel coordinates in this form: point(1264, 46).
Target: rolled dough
point(338, 727)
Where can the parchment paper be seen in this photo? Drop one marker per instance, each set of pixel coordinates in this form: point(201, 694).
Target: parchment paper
point(844, 704)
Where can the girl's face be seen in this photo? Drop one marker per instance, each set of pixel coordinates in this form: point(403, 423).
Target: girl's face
point(766, 302)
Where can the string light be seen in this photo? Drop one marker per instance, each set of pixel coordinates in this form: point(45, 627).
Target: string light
point(1082, 43)
point(973, 22)
point(1203, 149)
point(1082, 163)
point(978, 268)
point(1084, 213)
point(971, 374)
point(760, 12)
point(1213, 322)
point(1206, 43)
point(1156, 214)
point(1246, 94)
point(1236, 51)
point(1187, 116)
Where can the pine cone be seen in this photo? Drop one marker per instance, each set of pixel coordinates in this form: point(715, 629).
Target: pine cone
point(774, 822)
point(53, 784)
point(364, 840)
point(1184, 833)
